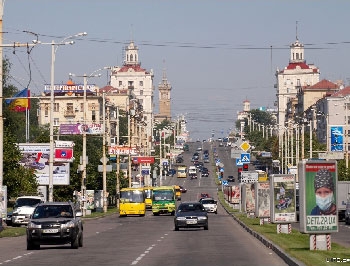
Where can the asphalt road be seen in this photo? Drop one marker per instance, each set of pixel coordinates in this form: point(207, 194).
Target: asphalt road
point(151, 240)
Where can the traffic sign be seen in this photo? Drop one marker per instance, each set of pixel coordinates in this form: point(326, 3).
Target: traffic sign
point(239, 162)
point(245, 146)
point(245, 157)
point(225, 182)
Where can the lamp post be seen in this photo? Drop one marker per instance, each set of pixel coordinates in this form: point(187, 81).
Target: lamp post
point(54, 47)
point(84, 157)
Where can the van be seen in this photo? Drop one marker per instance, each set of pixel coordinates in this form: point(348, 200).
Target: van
point(23, 209)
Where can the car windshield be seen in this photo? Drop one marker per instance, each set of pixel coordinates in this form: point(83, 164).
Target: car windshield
point(163, 195)
point(52, 211)
point(27, 202)
point(208, 201)
point(190, 208)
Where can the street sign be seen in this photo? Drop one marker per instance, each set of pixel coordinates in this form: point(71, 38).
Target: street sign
point(235, 153)
point(108, 168)
point(331, 155)
point(245, 146)
point(239, 162)
point(245, 157)
point(225, 182)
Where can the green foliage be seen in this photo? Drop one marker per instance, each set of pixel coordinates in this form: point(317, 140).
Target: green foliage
point(19, 180)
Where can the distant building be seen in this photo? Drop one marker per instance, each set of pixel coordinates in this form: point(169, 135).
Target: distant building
point(292, 78)
point(164, 88)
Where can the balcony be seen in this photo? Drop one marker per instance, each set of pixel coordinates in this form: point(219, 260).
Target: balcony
point(69, 113)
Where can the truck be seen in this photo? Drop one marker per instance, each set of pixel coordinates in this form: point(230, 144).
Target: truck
point(343, 197)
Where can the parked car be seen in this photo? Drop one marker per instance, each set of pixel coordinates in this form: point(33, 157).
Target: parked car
point(191, 215)
point(210, 205)
point(55, 223)
point(347, 213)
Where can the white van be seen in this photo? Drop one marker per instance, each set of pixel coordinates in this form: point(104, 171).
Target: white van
point(23, 209)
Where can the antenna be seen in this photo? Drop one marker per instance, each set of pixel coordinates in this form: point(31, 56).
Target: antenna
point(296, 30)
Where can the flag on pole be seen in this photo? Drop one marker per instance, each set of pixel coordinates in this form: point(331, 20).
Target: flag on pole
point(20, 102)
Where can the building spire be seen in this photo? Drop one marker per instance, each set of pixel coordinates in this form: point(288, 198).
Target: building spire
point(296, 30)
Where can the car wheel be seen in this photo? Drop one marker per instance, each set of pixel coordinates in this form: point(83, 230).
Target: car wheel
point(206, 227)
point(31, 245)
point(75, 243)
point(156, 213)
point(176, 228)
point(172, 213)
point(81, 238)
point(216, 212)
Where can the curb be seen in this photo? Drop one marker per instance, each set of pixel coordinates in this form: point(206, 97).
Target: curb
point(280, 252)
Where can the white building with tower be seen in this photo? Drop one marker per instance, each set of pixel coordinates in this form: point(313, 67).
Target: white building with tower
point(294, 76)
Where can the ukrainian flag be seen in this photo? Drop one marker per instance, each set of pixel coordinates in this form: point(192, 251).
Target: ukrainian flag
point(20, 101)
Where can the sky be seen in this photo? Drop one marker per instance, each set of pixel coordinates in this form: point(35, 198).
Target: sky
point(216, 54)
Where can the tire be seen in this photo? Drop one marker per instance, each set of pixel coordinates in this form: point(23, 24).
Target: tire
point(172, 213)
point(81, 240)
point(206, 227)
point(156, 213)
point(75, 243)
point(31, 245)
point(176, 228)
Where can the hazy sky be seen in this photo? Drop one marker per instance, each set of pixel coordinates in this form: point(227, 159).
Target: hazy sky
point(216, 53)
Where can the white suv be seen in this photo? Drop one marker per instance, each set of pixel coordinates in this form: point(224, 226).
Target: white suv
point(23, 209)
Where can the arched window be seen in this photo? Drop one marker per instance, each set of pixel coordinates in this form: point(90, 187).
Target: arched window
point(131, 58)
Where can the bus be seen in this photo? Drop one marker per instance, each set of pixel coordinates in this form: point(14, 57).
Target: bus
point(148, 194)
point(163, 200)
point(182, 171)
point(132, 202)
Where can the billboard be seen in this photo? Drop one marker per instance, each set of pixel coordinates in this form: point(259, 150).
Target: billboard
point(249, 197)
point(337, 140)
point(283, 198)
point(318, 196)
point(262, 195)
point(36, 156)
point(234, 194)
point(78, 129)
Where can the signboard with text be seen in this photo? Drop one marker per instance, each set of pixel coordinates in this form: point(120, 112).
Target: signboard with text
point(318, 196)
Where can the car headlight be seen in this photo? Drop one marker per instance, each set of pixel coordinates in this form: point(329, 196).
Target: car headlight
point(181, 218)
point(69, 224)
point(34, 225)
point(202, 218)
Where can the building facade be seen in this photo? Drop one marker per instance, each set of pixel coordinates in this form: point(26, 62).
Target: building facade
point(289, 80)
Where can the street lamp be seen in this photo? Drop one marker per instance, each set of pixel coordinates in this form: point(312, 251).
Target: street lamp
point(84, 161)
point(54, 47)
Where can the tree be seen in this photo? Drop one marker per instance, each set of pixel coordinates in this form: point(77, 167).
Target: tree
point(18, 179)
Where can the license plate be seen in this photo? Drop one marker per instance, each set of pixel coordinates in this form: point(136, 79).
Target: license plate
point(50, 231)
point(191, 221)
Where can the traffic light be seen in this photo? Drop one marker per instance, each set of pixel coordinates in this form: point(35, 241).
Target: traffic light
point(245, 167)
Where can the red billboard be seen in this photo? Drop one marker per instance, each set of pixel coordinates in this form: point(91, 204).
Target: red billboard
point(143, 159)
point(63, 154)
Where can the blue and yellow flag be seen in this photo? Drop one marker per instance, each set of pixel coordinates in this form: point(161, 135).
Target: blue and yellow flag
point(20, 102)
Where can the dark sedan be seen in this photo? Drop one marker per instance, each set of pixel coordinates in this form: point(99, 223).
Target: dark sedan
point(191, 215)
point(230, 178)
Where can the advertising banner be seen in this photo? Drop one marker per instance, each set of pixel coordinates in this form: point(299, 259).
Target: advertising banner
point(36, 156)
point(262, 195)
point(283, 198)
point(249, 177)
point(122, 150)
point(337, 140)
point(249, 197)
point(78, 129)
point(318, 196)
point(235, 195)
